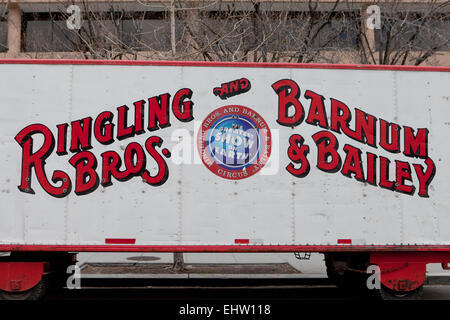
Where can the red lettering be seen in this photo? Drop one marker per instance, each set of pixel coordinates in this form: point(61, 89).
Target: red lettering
point(123, 131)
point(340, 116)
point(224, 89)
point(394, 145)
point(317, 114)
point(288, 93)
point(36, 160)
point(62, 139)
point(403, 172)
point(352, 163)
point(371, 169)
point(234, 85)
point(183, 109)
point(81, 135)
point(297, 153)
point(158, 112)
point(327, 146)
point(365, 128)
point(139, 117)
point(103, 131)
point(163, 170)
point(425, 177)
point(244, 83)
point(384, 174)
point(416, 145)
point(135, 160)
point(111, 163)
point(87, 179)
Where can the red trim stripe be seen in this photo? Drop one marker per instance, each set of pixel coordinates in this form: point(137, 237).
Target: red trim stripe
point(225, 248)
point(241, 241)
point(226, 64)
point(119, 241)
point(344, 241)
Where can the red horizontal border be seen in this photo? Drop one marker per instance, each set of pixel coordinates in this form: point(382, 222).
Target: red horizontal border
point(226, 248)
point(119, 241)
point(226, 64)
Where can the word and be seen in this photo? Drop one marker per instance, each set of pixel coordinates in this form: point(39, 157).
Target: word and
point(232, 88)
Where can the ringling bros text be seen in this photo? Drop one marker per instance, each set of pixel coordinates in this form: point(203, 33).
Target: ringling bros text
point(102, 128)
point(291, 113)
point(154, 114)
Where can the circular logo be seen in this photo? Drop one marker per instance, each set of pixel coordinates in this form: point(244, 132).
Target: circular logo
point(234, 142)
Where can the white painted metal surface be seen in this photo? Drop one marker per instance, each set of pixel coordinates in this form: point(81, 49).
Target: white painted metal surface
point(194, 206)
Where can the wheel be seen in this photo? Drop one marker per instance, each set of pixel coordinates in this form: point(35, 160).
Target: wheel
point(388, 294)
point(35, 293)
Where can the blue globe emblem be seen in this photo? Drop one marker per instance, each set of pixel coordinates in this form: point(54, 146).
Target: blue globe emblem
point(234, 142)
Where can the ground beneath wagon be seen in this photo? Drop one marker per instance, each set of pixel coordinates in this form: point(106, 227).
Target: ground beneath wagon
point(165, 268)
